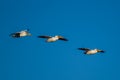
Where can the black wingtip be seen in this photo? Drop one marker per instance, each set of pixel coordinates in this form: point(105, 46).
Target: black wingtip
point(14, 35)
point(102, 51)
point(66, 40)
point(79, 48)
point(38, 36)
point(86, 49)
point(44, 37)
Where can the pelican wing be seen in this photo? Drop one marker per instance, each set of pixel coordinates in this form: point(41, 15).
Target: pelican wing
point(86, 49)
point(64, 39)
point(44, 36)
point(15, 35)
point(101, 51)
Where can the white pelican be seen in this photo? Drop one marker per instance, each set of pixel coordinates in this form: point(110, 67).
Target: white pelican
point(22, 33)
point(53, 39)
point(91, 51)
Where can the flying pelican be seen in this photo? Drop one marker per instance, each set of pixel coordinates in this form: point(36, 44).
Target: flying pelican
point(22, 33)
point(91, 51)
point(53, 39)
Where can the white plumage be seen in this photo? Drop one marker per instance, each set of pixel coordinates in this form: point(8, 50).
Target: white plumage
point(53, 39)
point(22, 33)
point(91, 51)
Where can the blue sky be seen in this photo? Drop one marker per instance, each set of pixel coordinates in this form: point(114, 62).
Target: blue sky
point(88, 23)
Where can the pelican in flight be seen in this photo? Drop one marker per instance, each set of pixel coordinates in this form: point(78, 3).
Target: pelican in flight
point(53, 39)
point(91, 51)
point(22, 33)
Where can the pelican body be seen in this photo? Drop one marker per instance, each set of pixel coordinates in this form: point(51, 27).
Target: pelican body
point(22, 33)
point(53, 39)
point(91, 51)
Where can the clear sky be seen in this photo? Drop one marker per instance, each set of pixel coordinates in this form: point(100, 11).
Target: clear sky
point(86, 23)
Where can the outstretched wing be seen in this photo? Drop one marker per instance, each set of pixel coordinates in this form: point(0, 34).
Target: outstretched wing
point(102, 51)
point(44, 36)
point(64, 39)
point(15, 35)
point(85, 49)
